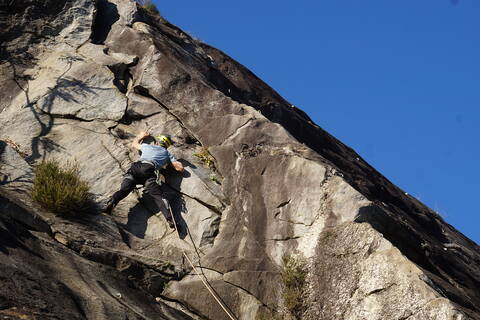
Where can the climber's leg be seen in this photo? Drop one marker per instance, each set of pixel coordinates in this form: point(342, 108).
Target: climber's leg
point(153, 189)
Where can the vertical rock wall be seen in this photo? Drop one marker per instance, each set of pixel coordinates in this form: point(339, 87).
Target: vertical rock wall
point(97, 72)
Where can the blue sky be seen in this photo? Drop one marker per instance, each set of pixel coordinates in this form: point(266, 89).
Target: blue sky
point(398, 81)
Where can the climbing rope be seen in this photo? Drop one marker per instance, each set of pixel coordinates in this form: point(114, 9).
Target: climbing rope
point(202, 276)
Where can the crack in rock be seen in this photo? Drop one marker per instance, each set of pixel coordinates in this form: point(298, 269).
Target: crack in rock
point(230, 283)
point(283, 204)
point(293, 222)
point(145, 93)
point(117, 161)
point(130, 118)
point(317, 216)
point(375, 291)
point(122, 263)
point(203, 203)
point(250, 294)
point(432, 284)
point(284, 239)
point(235, 133)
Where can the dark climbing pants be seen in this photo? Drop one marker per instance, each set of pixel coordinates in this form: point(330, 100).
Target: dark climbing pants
point(143, 173)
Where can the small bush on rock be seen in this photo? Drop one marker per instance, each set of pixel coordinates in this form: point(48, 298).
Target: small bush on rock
point(294, 280)
point(293, 275)
point(149, 6)
point(59, 188)
point(206, 159)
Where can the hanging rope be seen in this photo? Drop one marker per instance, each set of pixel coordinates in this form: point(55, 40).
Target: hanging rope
point(202, 276)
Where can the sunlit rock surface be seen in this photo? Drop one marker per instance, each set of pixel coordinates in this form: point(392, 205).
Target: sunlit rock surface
point(79, 79)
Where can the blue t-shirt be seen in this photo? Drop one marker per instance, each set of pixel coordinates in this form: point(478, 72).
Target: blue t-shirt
point(156, 154)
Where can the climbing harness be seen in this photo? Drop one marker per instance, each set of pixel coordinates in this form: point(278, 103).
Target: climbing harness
point(160, 179)
point(202, 276)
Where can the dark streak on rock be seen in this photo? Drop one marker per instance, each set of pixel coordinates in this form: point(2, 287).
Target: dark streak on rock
point(203, 203)
point(67, 116)
point(284, 239)
point(122, 75)
point(283, 204)
point(105, 16)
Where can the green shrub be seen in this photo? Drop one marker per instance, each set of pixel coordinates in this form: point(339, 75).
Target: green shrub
point(294, 280)
point(215, 179)
point(293, 277)
point(59, 188)
point(149, 6)
point(206, 159)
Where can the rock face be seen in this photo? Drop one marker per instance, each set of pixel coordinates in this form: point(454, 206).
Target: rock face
point(80, 78)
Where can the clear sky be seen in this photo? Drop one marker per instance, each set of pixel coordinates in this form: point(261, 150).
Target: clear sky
point(398, 81)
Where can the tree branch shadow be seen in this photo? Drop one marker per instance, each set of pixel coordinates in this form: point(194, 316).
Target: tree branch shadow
point(67, 89)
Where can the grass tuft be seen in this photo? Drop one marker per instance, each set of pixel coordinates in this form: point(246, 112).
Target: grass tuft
point(294, 280)
point(206, 159)
point(59, 188)
point(293, 277)
point(215, 179)
point(149, 6)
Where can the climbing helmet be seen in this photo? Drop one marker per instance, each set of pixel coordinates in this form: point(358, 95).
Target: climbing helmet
point(164, 140)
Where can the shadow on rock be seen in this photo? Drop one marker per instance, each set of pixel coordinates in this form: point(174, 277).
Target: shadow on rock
point(138, 216)
point(107, 15)
point(174, 179)
point(12, 236)
point(178, 207)
point(175, 198)
point(186, 163)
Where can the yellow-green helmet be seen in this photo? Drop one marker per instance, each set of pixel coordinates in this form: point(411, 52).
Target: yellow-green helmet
point(164, 140)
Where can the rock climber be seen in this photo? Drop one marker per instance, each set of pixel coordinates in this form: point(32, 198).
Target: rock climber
point(146, 171)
